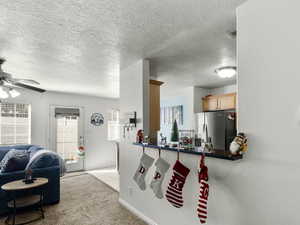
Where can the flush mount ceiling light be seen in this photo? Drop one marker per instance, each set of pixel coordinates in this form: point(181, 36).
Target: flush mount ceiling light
point(3, 93)
point(226, 71)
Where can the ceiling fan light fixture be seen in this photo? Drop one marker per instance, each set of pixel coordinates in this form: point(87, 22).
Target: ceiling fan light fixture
point(14, 93)
point(226, 71)
point(3, 93)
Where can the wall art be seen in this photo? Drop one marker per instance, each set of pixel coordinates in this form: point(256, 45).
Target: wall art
point(97, 119)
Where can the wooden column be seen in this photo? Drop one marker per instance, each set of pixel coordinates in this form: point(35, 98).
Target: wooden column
point(154, 110)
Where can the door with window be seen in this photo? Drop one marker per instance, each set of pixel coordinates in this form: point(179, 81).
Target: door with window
point(67, 136)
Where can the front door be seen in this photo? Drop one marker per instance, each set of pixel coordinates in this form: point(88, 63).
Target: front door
point(67, 135)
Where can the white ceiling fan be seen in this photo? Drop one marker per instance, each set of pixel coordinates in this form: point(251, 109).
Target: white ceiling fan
point(7, 84)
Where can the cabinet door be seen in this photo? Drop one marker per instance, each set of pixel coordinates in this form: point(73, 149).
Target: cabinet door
point(227, 101)
point(210, 104)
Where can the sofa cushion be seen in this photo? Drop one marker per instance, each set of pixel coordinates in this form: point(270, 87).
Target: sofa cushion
point(14, 160)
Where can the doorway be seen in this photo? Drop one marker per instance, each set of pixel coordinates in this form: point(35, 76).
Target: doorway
point(67, 135)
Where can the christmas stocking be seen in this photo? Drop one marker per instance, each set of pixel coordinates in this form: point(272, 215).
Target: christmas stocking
point(139, 176)
point(204, 190)
point(174, 192)
point(162, 167)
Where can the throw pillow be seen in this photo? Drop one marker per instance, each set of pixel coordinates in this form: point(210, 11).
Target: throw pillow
point(33, 149)
point(14, 160)
point(3, 153)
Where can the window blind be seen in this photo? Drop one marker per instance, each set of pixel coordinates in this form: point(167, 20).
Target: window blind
point(15, 123)
point(62, 112)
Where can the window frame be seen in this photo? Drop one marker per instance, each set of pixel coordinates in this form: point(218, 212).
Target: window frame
point(29, 123)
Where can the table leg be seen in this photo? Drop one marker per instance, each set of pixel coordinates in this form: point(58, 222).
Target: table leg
point(14, 210)
point(42, 203)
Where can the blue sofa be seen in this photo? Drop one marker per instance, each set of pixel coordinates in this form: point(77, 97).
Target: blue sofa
point(51, 190)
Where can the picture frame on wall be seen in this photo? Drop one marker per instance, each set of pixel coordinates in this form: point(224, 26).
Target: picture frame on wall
point(97, 119)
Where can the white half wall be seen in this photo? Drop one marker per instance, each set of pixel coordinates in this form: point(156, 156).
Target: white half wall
point(134, 96)
point(269, 110)
point(100, 153)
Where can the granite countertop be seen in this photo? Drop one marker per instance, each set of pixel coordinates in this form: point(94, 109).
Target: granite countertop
point(195, 151)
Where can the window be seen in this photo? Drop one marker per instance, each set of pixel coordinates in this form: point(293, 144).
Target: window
point(113, 126)
point(170, 113)
point(15, 123)
point(67, 137)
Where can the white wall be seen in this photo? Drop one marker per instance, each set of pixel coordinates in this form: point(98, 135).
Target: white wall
point(223, 90)
point(199, 93)
point(99, 152)
point(134, 96)
point(269, 110)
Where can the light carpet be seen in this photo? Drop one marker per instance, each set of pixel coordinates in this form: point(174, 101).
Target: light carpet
point(108, 176)
point(85, 201)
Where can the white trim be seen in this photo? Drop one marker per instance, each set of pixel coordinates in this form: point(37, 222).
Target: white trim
point(136, 212)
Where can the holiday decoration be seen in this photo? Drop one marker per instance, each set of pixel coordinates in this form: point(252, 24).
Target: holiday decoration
point(162, 167)
point(163, 140)
point(239, 144)
point(175, 133)
point(140, 136)
point(139, 177)
point(204, 190)
point(81, 151)
point(28, 177)
point(174, 191)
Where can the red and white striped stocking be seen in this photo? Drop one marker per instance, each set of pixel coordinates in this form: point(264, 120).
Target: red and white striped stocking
point(204, 191)
point(174, 191)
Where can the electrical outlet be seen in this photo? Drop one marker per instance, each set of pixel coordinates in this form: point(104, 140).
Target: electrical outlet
point(130, 191)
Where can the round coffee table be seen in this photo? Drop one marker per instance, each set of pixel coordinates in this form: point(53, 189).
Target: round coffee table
point(20, 203)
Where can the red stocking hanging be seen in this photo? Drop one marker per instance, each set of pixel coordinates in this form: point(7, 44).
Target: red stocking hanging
point(204, 190)
point(174, 191)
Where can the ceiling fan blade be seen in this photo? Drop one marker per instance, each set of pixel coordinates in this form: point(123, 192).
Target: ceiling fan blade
point(29, 87)
point(27, 81)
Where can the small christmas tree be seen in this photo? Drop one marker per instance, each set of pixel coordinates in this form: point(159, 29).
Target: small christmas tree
point(175, 133)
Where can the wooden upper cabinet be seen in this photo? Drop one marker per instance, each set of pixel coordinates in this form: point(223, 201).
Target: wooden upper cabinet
point(219, 102)
point(210, 103)
point(154, 109)
point(227, 101)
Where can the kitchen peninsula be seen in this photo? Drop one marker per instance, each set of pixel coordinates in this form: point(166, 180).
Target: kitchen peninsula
point(194, 151)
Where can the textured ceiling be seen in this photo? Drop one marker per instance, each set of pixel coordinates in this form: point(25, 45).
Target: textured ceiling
point(79, 46)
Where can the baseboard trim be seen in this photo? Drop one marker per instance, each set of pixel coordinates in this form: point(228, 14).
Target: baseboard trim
point(136, 212)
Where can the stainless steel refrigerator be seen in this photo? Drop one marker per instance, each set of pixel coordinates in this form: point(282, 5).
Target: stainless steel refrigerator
point(217, 128)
